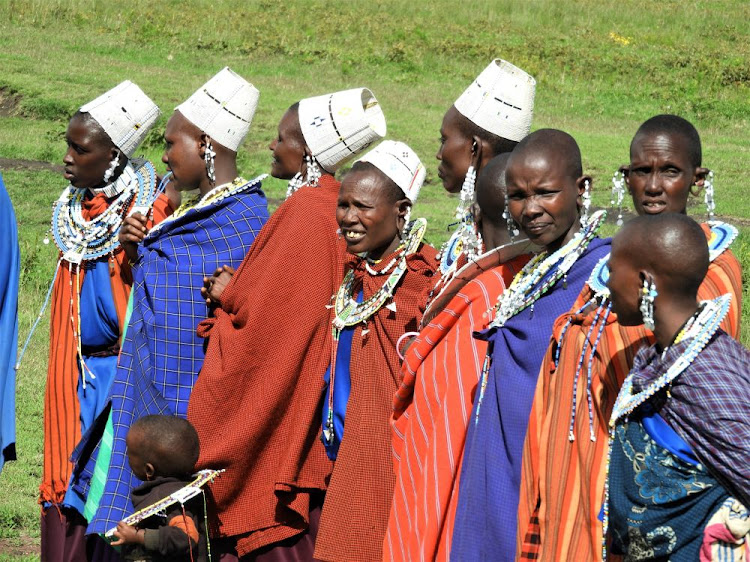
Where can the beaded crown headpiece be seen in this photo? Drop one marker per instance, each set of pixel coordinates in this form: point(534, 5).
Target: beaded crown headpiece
point(340, 125)
point(500, 100)
point(125, 113)
point(400, 163)
point(223, 108)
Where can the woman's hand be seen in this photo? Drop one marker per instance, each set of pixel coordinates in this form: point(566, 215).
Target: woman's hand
point(214, 285)
point(132, 232)
point(127, 534)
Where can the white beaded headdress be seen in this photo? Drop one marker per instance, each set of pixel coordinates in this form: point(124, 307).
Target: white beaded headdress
point(400, 163)
point(340, 125)
point(125, 113)
point(500, 100)
point(223, 108)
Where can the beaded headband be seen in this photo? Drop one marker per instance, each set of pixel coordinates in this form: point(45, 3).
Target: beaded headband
point(400, 163)
point(340, 125)
point(223, 108)
point(500, 100)
point(125, 113)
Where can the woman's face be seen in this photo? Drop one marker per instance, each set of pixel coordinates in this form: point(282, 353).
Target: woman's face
point(288, 148)
point(543, 199)
point(660, 174)
point(455, 152)
point(183, 155)
point(369, 219)
point(89, 153)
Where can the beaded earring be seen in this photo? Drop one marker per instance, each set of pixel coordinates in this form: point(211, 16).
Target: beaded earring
point(648, 294)
point(586, 202)
point(294, 184)
point(407, 218)
point(209, 157)
point(313, 171)
point(467, 193)
point(618, 193)
point(109, 172)
point(510, 224)
point(708, 186)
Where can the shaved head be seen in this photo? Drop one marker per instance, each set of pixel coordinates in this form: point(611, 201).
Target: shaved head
point(671, 125)
point(491, 189)
point(671, 245)
point(551, 143)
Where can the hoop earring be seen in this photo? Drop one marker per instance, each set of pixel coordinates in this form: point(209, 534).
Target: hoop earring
point(586, 202)
point(109, 172)
point(648, 294)
point(313, 172)
point(467, 193)
point(618, 193)
point(209, 158)
point(708, 186)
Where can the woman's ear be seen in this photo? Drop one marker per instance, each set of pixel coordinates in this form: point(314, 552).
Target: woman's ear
point(477, 146)
point(699, 179)
point(625, 170)
point(150, 471)
point(403, 207)
point(581, 184)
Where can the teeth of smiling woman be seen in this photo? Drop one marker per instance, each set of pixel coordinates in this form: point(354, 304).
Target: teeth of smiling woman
point(354, 235)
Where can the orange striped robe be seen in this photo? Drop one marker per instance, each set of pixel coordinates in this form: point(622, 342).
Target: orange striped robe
point(562, 482)
point(62, 423)
point(432, 408)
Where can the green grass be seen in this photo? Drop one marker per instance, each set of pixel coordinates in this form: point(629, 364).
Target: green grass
point(602, 68)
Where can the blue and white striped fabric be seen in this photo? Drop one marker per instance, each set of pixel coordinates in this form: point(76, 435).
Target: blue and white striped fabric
point(162, 355)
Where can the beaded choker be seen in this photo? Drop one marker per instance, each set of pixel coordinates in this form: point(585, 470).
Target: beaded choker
point(527, 286)
point(348, 312)
point(81, 240)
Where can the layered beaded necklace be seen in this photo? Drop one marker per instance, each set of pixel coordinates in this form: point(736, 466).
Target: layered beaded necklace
point(699, 330)
point(348, 312)
point(527, 286)
point(82, 240)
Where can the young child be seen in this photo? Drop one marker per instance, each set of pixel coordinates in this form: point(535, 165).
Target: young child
point(162, 451)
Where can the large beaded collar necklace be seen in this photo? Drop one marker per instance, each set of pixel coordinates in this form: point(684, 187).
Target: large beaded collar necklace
point(699, 330)
point(348, 312)
point(527, 286)
point(217, 194)
point(82, 240)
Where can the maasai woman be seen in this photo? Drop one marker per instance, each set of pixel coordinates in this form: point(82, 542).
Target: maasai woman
point(488, 119)
point(591, 353)
point(440, 374)
point(546, 189)
point(381, 298)
point(162, 354)
point(259, 357)
point(680, 438)
point(90, 291)
point(10, 269)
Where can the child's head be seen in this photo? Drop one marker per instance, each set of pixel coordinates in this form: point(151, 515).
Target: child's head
point(162, 446)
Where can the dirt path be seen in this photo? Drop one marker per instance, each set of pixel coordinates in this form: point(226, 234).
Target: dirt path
point(32, 165)
point(20, 546)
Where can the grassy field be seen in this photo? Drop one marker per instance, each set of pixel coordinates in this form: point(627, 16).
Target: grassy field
point(602, 68)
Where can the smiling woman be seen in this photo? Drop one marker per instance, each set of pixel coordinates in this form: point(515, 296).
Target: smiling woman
point(382, 298)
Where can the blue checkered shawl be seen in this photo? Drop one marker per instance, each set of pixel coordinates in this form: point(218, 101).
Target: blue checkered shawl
point(162, 355)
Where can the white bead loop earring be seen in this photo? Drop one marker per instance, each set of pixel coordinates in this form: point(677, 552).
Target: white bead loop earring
point(618, 193)
point(109, 172)
point(209, 158)
point(648, 294)
point(405, 230)
point(294, 184)
point(708, 194)
point(510, 224)
point(586, 202)
point(313, 171)
point(467, 194)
